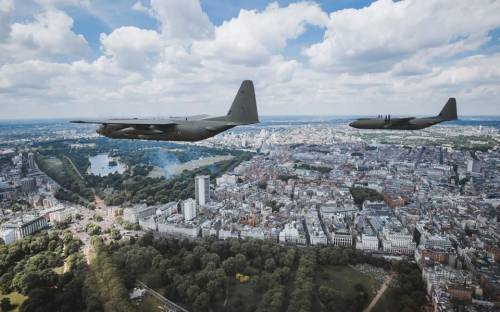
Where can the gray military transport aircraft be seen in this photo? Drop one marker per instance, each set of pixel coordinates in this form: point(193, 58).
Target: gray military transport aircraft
point(192, 128)
point(449, 112)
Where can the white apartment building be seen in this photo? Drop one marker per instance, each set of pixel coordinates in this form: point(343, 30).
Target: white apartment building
point(367, 242)
point(342, 239)
point(189, 209)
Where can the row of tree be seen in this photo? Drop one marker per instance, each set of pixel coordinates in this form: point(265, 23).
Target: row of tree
point(360, 194)
point(200, 275)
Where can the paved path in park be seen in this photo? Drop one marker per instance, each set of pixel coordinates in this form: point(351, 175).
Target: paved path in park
point(171, 306)
point(380, 293)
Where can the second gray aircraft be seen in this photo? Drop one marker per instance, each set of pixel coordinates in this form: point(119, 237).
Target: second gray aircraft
point(449, 112)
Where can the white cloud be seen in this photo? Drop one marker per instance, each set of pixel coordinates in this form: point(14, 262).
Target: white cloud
point(372, 60)
point(376, 37)
point(467, 74)
point(48, 36)
point(6, 6)
point(133, 48)
point(254, 36)
point(29, 75)
point(54, 3)
point(182, 20)
point(139, 7)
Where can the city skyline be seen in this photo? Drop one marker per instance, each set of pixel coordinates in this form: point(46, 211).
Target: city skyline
point(67, 58)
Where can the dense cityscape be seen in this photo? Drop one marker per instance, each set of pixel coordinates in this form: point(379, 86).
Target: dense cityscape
point(249, 156)
point(300, 184)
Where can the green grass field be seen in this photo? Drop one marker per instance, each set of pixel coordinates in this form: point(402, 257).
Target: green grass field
point(59, 270)
point(52, 164)
point(386, 303)
point(64, 172)
point(343, 279)
point(16, 299)
point(57, 169)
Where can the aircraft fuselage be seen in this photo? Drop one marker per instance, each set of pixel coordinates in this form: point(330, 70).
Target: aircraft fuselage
point(189, 131)
point(396, 123)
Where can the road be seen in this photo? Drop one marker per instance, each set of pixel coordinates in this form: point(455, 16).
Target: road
point(323, 227)
point(380, 293)
point(169, 304)
point(74, 167)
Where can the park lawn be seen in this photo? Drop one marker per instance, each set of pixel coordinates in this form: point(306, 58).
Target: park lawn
point(344, 278)
point(386, 302)
point(59, 270)
point(16, 299)
point(51, 163)
point(340, 278)
point(64, 173)
point(57, 168)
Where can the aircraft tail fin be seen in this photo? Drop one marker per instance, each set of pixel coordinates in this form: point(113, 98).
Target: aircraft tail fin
point(449, 111)
point(244, 108)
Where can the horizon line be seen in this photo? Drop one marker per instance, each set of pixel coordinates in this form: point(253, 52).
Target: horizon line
point(261, 116)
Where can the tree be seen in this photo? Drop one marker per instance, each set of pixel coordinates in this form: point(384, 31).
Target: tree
point(93, 229)
point(238, 303)
point(202, 302)
point(360, 194)
point(5, 282)
point(5, 305)
point(210, 257)
point(273, 300)
point(98, 218)
point(192, 292)
point(270, 265)
point(230, 266)
point(262, 185)
point(73, 246)
point(290, 258)
point(40, 299)
point(115, 234)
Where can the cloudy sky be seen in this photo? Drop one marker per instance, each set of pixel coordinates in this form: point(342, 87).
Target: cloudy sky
point(130, 58)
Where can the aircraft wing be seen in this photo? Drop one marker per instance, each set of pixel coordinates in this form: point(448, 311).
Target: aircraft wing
point(132, 122)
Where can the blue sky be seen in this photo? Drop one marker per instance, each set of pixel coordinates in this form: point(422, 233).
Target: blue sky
point(65, 58)
point(111, 14)
point(105, 16)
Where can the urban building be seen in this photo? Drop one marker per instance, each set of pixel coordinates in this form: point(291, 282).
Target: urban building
point(31, 161)
point(189, 209)
point(202, 190)
point(28, 185)
point(22, 228)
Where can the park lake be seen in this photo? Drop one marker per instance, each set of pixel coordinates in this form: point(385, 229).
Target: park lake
point(102, 165)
